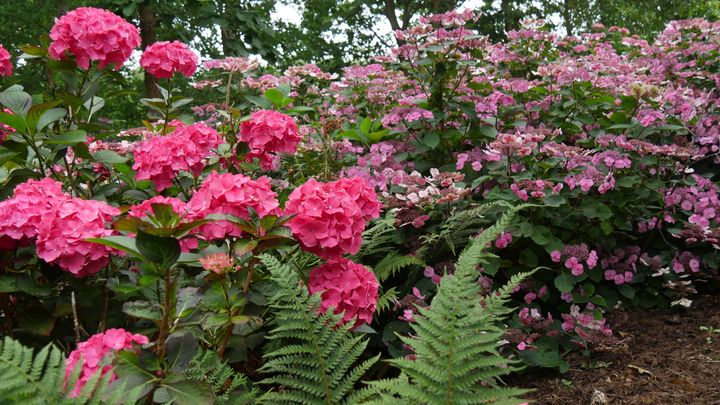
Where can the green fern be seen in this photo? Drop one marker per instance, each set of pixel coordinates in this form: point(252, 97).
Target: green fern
point(314, 365)
point(455, 340)
point(29, 378)
point(392, 263)
point(231, 387)
point(386, 299)
point(461, 226)
point(381, 237)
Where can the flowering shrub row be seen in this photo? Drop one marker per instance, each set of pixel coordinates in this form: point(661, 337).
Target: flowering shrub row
point(611, 140)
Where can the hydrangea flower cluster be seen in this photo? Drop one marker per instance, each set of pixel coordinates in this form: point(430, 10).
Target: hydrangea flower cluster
point(620, 266)
point(218, 263)
point(232, 64)
point(6, 66)
point(231, 194)
point(93, 34)
point(95, 354)
point(330, 217)
point(584, 323)
point(61, 236)
point(32, 202)
point(575, 255)
point(349, 287)
point(161, 158)
point(270, 132)
point(163, 59)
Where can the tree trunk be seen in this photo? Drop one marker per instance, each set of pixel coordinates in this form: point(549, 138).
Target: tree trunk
point(567, 17)
point(148, 25)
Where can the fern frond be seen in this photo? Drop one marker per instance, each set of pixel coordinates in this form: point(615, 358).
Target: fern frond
point(316, 363)
point(230, 386)
point(386, 299)
point(455, 340)
point(380, 237)
point(462, 225)
point(392, 263)
point(29, 378)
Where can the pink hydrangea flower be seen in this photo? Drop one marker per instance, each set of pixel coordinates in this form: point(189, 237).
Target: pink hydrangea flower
point(349, 287)
point(31, 204)
point(328, 220)
point(363, 193)
point(231, 194)
point(92, 352)
point(93, 34)
point(163, 59)
point(503, 240)
point(62, 234)
point(161, 158)
point(5, 62)
point(270, 131)
point(555, 256)
point(217, 262)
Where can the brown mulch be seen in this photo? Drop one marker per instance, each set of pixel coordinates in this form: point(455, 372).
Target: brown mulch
point(668, 360)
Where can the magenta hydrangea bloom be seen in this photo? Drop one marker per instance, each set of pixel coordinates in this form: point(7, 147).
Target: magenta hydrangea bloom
point(93, 34)
point(349, 287)
point(231, 194)
point(364, 194)
point(270, 131)
point(161, 158)
point(32, 202)
point(329, 220)
point(62, 234)
point(163, 59)
point(6, 66)
point(92, 351)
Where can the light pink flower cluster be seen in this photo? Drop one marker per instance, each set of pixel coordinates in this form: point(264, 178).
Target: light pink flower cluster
point(61, 236)
point(349, 287)
point(5, 62)
point(231, 194)
point(271, 132)
point(163, 59)
point(92, 352)
point(93, 34)
point(524, 189)
point(217, 262)
point(232, 64)
point(161, 158)
point(584, 323)
point(620, 266)
point(330, 217)
point(575, 255)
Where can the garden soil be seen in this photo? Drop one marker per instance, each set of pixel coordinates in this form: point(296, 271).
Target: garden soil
point(668, 359)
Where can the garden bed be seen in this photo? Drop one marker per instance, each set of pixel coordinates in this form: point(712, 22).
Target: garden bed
point(668, 360)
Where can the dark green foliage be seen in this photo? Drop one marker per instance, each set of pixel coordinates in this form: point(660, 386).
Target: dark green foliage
point(317, 362)
point(455, 340)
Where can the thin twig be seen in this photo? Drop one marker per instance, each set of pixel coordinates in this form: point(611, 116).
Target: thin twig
point(76, 321)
